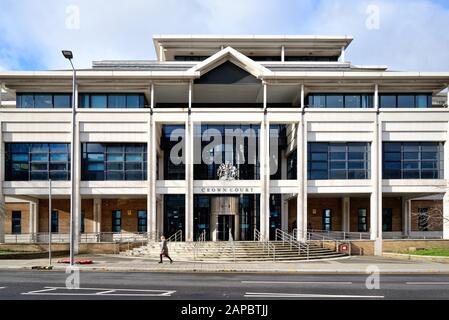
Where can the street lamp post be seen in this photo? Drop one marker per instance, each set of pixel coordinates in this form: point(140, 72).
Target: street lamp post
point(69, 56)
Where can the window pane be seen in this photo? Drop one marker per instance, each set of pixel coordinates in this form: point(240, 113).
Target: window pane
point(352, 101)
point(95, 157)
point(337, 156)
point(59, 157)
point(422, 101)
point(98, 101)
point(406, 101)
point(43, 101)
point(17, 157)
point(387, 101)
point(134, 101)
point(319, 156)
point(62, 101)
point(334, 101)
point(116, 101)
point(317, 101)
point(115, 157)
point(39, 157)
point(27, 101)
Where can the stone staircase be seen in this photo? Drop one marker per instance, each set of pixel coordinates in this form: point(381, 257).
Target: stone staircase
point(244, 251)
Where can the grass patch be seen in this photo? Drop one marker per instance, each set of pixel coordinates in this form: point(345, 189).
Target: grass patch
point(429, 252)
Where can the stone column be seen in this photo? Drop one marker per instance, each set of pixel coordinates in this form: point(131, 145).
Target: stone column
point(376, 179)
point(97, 215)
point(301, 138)
point(406, 216)
point(446, 216)
point(264, 171)
point(346, 211)
point(34, 216)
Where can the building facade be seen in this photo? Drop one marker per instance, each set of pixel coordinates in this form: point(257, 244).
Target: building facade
point(302, 140)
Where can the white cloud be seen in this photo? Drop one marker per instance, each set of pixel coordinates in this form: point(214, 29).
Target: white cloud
point(412, 35)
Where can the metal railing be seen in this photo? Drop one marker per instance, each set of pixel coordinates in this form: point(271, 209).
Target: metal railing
point(200, 241)
point(326, 238)
point(94, 237)
point(266, 244)
point(231, 241)
point(303, 247)
point(342, 235)
point(176, 237)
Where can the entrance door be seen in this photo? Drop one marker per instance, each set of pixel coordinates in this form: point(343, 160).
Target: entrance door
point(225, 224)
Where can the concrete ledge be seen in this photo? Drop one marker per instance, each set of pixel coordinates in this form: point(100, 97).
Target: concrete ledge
point(414, 257)
point(31, 255)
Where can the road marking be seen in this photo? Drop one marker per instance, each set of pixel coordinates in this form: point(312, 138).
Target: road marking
point(427, 283)
point(101, 291)
point(297, 282)
point(304, 295)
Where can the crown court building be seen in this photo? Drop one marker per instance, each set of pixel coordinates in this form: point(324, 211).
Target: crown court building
point(357, 149)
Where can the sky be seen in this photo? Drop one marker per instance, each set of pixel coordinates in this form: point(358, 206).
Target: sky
point(409, 35)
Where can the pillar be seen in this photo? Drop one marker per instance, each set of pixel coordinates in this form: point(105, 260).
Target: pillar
point(97, 215)
point(301, 144)
point(406, 217)
point(151, 174)
point(34, 216)
point(264, 154)
point(346, 212)
point(376, 179)
point(189, 147)
point(446, 216)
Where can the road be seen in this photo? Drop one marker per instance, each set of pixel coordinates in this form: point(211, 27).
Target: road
point(109, 285)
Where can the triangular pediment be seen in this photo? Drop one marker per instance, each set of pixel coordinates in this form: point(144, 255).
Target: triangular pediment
point(229, 66)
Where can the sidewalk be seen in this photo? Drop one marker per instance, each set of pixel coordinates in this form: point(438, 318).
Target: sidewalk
point(352, 265)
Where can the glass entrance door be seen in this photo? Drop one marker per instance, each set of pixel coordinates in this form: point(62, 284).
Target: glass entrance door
point(225, 224)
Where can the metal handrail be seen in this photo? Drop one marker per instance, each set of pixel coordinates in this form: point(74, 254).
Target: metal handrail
point(176, 237)
point(323, 237)
point(266, 244)
point(343, 235)
point(291, 240)
point(196, 245)
point(231, 241)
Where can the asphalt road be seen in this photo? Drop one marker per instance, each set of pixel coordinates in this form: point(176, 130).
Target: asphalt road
point(107, 285)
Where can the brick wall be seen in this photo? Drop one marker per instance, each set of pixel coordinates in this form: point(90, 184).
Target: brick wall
point(63, 207)
point(129, 209)
point(356, 204)
point(24, 208)
point(435, 210)
point(315, 209)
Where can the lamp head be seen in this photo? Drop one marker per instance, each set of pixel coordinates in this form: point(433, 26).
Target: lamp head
point(67, 54)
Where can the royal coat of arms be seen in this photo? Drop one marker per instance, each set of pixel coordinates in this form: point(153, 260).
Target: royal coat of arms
point(227, 171)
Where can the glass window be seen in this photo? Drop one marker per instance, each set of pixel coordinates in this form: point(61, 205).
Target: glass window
point(27, 101)
point(98, 101)
point(327, 219)
point(117, 101)
point(16, 222)
point(43, 101)
point(338, 161)
point(352, 101)
point(62, 101)
point(116, 221)
point(141, 221)
point(412, 160)
point(174, 214)
point(387, 219)
point(406, 101)
point(54, 221)
point(422, 101)
point(334, 101)
point(387, 101)
point(423, 219)
point(134, 101)
point(362, 220)
point(113, 163)
point(317, 101)
point(25, 162)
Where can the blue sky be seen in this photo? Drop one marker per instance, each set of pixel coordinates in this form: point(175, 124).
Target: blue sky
point(405, 34)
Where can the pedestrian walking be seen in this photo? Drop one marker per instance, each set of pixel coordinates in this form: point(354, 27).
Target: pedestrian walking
point(164, 250)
